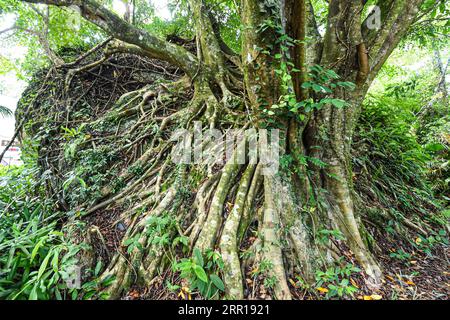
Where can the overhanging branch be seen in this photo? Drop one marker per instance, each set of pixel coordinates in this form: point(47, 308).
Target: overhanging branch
point(396, 18)
point(122, 30)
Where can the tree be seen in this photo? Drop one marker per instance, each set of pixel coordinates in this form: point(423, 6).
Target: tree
point(312, 90)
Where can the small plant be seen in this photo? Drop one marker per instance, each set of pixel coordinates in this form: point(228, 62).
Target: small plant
point(172, 287)
point(202, 273)
point(426, 244)
point(92, 289)
point(72, 133)
point(270, 282)
point(324, 236)
point(183, 241)
point(133, 243)
point(336, 281)
point(72, 179)
point(401, 255)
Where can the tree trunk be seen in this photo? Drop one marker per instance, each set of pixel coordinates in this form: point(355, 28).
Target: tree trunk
point(238, 197)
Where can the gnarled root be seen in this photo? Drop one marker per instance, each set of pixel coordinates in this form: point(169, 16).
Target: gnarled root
point(229, 240)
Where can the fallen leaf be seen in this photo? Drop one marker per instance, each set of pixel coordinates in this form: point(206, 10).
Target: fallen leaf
point(390, 278)
point(322, 290)
point(376, 297)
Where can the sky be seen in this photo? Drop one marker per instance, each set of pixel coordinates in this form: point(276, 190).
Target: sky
point(13, 87)
point(10, 86)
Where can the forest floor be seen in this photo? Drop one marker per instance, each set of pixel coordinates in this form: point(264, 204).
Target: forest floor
point(422, 276)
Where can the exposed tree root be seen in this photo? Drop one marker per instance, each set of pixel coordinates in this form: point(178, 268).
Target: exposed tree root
point(272, 247)
point(228, 243)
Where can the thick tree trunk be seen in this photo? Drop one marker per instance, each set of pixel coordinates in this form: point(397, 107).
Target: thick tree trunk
point(328, 138)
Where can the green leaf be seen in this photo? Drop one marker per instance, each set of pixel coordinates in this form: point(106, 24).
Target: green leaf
point(98, 267)
point(33, 293)
point(317, 88)
point(55, 260)
point(201, 274)
point(217, 282)
point(338, 103)
point(36, 248)
point(434, 147)
point(44, 264)
point(108, 280)
point(198, 257)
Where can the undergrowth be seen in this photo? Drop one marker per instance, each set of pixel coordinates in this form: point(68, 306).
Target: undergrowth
point(394, 177)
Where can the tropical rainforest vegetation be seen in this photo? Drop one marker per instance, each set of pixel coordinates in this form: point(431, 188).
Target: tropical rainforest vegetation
point(359, 206)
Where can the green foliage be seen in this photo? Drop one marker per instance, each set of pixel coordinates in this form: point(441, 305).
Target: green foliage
point(433, 28)
point(66, 28)
point(322, 82)
point(336, 281)
point(434, 136)
point(401, 255)
point(202, 273)
point(91, 172)
point(426, 244)
point(324, 236)
point(391, 161)
point(92, 289)
point(133, 243)
point(35, 257)
point(160, 230)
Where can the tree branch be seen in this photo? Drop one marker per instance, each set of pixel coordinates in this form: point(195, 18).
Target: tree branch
point(120, 29)
point(397, 17)
point(43, 40)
